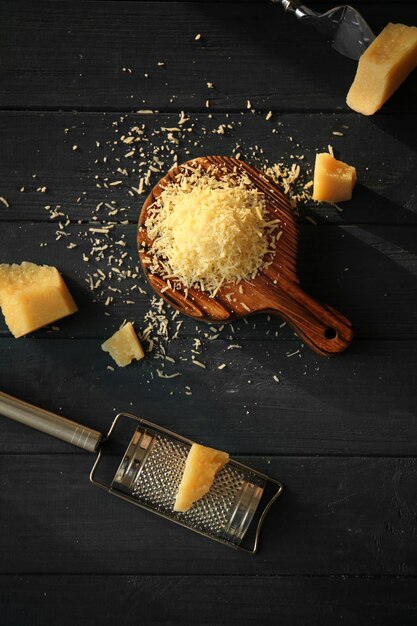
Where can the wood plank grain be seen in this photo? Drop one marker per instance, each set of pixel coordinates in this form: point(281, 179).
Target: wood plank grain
point(367, 272)
point(79, 62)
point(362, 403)
point(36, 144)
point(222, 600)
point(340, 546)
point(337, 516)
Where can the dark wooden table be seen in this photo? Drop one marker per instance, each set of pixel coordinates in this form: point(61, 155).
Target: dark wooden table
point(340, 546)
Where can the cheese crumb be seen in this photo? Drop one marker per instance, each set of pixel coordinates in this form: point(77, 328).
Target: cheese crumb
point(198, 363)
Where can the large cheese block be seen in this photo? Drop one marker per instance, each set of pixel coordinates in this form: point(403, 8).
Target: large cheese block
point(333, 179)
point(201, 467)
point(124, 346)
point(32, 296)
point(383, 67)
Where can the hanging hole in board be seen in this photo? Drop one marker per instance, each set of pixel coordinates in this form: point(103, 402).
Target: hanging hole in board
point(330, 333)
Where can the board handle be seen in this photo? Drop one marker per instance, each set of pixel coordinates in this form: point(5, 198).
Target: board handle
point(49, 423)
point(323, 328)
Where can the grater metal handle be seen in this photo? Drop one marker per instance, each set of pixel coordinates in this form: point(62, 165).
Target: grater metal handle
point(49, 423)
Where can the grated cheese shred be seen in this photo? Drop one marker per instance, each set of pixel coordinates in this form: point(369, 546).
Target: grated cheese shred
point(209, 228)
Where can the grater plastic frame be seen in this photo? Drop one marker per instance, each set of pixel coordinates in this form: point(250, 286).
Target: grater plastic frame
point(109, 489)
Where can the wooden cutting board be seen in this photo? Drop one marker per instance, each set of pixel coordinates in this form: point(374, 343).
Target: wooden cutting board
point(274, 290)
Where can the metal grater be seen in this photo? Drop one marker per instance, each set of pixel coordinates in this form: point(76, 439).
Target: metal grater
point(232, 512)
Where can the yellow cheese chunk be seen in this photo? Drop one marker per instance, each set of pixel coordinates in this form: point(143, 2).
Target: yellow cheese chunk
point(201, 467)
point(124, 346)
point(333, 179)
point(32, 296)
point(383, 67)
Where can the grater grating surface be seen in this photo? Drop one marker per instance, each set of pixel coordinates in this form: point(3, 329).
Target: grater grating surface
point(151, 470)
point(149, 475)
point(158, 482)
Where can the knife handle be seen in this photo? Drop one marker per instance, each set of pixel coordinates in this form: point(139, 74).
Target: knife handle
point(49, 423)
point(295, 7)
point(289, 5)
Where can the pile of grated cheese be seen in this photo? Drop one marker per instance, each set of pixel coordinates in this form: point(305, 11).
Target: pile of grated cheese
point(209, 227)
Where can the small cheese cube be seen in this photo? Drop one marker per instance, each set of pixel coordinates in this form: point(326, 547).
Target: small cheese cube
point(333, 179)
point(32, 296)
point(383, 67)
point(124, 346)
point(201, 467)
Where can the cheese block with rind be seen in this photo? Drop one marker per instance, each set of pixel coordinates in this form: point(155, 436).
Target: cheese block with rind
point(124, 346)
point(333, 179)
point(201, 467)
point(382, 68)
point(32, 296)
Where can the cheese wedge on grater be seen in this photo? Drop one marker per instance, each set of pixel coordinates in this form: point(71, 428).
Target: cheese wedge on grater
point(201, 467)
